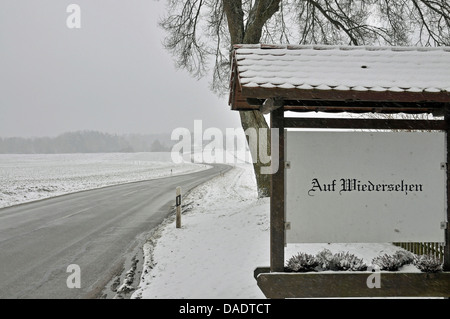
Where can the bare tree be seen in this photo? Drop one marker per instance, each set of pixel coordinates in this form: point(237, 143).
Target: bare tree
point(202, 32)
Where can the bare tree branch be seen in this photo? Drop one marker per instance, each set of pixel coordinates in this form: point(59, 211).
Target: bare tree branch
point(183, 40)
point(339, 25)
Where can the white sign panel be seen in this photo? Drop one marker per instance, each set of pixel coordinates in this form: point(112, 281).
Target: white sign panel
point(347, 187)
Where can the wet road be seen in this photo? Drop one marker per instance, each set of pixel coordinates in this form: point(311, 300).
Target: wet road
point(94, 230)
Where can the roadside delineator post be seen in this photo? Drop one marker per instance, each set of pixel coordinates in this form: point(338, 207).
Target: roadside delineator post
point(178, 205)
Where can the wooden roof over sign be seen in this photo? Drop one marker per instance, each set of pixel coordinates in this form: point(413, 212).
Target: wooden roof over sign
point(341, 78)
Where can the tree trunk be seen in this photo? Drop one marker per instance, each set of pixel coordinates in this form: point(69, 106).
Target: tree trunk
point(255, 119)
point(262, 11)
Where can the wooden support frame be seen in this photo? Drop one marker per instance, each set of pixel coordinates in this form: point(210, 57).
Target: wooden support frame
point(333, 123)
point(275, 283)
point(354, 284)
point(447, 229)
point(277, 222)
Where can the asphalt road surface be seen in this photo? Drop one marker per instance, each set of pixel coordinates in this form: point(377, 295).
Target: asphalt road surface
point(96, 230)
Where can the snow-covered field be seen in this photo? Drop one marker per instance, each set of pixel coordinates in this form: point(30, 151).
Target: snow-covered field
point(224, 237)
point(29, 177)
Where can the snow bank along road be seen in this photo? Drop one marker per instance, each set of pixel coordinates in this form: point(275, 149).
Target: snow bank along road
point(94, 230)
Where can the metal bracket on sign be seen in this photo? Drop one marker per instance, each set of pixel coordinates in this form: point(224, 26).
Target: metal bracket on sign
point(443, 166)
point(287, 164)
point(287, 225)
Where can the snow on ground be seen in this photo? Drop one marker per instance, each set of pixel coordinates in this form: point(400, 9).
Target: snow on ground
point(224, 237)
point(29, 177)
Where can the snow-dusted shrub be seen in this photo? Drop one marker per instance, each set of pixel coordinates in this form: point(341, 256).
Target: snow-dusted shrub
point(405, 257)
point(347, 261)
point(394, 262)
point(325, 259)
point(339, 261)
point(428, 263)
point(387, 262)
point(302, 262)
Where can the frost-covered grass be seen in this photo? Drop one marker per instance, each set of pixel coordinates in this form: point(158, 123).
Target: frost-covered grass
point(29, 177)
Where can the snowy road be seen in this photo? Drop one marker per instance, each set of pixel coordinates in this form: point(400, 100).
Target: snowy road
point(93, 229)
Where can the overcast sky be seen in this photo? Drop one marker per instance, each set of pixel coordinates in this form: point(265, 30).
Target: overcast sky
point(112, 75)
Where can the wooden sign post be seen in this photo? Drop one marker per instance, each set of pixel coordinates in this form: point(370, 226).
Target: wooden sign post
point(178, 206)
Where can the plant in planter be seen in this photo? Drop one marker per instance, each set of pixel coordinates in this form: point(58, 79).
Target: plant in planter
point(425, 263)
point(405, 257)
point(302, 262)
point(347, 261)
point(387, 262)
point(428, 263)
point(325, 260)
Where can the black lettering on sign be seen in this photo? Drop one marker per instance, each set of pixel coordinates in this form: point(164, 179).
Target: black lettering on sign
point(356, 185)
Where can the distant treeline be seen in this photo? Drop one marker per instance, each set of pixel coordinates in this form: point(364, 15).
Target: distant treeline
point(86, 142)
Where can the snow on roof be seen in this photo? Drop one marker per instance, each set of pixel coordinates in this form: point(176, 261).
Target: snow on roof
point(344, 68)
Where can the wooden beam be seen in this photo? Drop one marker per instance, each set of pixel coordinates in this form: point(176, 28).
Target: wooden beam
point(353, 284)
point(362, 107)
point(348, 95)
point(378, 106)
point(238, 101)
point(257, 103)
point(334, 123)
point(446, 265)
point(277, 197)
point(271, 105)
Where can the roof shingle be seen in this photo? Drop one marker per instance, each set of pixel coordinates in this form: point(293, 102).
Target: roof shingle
point(341, 78)
point(394, 69)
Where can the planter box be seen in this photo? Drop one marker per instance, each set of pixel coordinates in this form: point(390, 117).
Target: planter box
point(351, 284)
